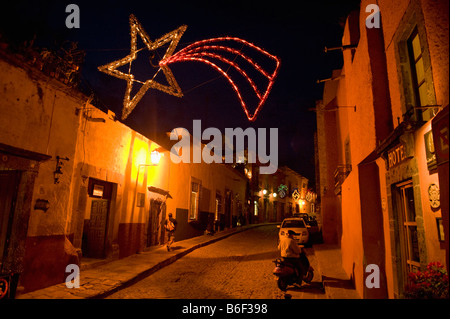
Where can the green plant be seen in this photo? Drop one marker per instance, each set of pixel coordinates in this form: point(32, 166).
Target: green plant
point(429, 284)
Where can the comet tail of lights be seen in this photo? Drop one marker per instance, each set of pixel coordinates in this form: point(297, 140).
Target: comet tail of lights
point(209, 52)
point(203, 51)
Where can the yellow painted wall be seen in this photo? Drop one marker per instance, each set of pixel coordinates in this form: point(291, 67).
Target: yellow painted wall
point(38, 114)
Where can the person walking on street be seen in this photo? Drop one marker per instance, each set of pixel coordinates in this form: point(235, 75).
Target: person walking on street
point(170, 226)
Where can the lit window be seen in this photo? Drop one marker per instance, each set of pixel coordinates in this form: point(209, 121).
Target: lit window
point(218, 205)
point(417, 69)
point(407, 227)
point(193, 211)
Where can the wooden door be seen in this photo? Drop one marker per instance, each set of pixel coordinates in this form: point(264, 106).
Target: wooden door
point(157, 209)
point(97, 228)
point(8, 189)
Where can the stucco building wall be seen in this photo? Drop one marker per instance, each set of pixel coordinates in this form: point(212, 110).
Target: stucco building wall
point(376, 81)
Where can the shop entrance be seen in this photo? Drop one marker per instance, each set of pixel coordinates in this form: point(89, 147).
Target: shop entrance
point(157, 212)
point(404, 205)
point(17, 176)
point(97, 220)
point(96, 235)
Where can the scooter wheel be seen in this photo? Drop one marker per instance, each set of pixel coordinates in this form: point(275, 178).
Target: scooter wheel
point(282, 284)
point(309, 276)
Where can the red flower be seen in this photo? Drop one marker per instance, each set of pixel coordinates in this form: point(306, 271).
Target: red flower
point(428, 284)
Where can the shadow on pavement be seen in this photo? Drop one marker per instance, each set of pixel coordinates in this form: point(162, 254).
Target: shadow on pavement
point(313, 287)
point(338, 283)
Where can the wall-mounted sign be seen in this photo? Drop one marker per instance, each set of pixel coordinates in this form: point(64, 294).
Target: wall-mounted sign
point(98, 190)
point(140, 201)
point(3, 287)
point(434, 196)
point(42, 204)
point(396, 155)
point(440, 136)
point(429, 150)
point(440, 229)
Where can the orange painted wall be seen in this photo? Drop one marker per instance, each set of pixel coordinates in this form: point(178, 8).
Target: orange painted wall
point(355, 89)
point(435, 249)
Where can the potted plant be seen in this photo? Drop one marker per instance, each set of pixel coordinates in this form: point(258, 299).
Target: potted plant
point(429, 284)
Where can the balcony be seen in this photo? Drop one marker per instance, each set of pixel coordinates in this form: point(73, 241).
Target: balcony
point(340, 174)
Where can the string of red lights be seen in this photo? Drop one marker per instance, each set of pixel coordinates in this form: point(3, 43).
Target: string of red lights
point(200, 52)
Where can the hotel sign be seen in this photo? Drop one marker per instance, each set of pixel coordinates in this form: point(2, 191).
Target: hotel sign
point(396, 155)
point(430, 151)
point(440, 130)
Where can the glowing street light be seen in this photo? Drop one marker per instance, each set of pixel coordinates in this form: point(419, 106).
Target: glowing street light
point(155, 157)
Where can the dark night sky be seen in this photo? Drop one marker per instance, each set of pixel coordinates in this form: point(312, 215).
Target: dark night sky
point(294, 31)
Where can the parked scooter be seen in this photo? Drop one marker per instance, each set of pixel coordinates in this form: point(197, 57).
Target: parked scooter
point(288, 275)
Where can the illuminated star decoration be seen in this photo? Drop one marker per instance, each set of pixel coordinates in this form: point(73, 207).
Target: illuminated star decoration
point(111, 68)
point(205, 51)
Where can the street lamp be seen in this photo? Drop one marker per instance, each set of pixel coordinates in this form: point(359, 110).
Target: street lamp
point(155, 158)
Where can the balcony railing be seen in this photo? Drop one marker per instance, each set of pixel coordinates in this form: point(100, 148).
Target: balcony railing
point(340, 174)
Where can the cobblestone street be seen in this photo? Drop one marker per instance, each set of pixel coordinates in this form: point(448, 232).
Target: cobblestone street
point(238, 267)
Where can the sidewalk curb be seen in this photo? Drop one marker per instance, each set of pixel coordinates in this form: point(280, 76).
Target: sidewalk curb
point(105, 279)
point(320, 273)
point(336, 283)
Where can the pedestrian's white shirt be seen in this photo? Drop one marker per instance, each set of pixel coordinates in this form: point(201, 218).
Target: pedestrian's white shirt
point(289, 248)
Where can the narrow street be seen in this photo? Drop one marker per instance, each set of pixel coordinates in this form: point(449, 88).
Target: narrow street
point(238, 267)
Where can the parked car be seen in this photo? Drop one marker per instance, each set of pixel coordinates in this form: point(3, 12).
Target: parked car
point(305, 217)
point(314, 230)
point(299, 227)
point(313, 226)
